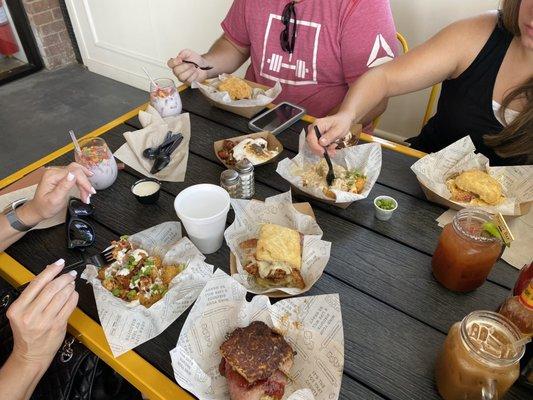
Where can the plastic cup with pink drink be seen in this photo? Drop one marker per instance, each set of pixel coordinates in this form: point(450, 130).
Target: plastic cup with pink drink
point(164, 97)
point(96, 156)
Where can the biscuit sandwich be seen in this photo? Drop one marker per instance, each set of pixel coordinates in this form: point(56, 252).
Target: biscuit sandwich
point(275, 257)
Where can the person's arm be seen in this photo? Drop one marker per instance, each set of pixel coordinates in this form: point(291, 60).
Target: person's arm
point(442, 57)
point(38, 319)
point(50, 198)
point(224, 56)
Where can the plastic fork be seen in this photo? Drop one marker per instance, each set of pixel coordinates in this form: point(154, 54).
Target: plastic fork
point(330, 177)
point(197, 66)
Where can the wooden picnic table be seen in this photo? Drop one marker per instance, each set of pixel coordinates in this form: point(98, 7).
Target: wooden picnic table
point(395, 314)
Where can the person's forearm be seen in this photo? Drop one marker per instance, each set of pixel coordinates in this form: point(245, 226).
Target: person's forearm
point(8, 235)
point(18, 377)
point(224, 57)
point(366, 97)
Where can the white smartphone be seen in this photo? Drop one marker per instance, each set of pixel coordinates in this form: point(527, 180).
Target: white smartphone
point(277, 119)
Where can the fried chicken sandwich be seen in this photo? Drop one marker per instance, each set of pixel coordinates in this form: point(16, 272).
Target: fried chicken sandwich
point(475, 187)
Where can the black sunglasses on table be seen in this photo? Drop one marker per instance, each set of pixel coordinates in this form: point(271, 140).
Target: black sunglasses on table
point(288, 35)
point(80, 233)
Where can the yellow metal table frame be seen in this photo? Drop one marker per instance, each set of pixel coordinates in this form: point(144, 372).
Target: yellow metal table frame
point(138, 371)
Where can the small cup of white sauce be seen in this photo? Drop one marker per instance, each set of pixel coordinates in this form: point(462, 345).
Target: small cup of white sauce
point(146, 190)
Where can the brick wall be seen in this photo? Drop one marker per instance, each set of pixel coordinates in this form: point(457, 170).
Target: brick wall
point(50, 32)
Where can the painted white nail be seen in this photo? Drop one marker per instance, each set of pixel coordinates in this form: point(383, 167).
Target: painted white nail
point(93, 190)
point(73, 273)
point(60, 262)
point(88, 199)
point(70, 177)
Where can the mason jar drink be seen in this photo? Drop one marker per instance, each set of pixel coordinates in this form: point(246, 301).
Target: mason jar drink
point(466, 252)
point(164, 97)
point(479, 359)
point(96, 156)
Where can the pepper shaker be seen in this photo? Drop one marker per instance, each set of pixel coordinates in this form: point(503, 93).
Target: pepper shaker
point(229, 180)
point(247, 181)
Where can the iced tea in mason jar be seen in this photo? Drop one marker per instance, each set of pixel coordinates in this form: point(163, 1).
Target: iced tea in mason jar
point(478, 359)
point(466, 251)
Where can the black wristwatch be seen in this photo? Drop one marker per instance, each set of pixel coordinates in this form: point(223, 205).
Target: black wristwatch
point(14, 221)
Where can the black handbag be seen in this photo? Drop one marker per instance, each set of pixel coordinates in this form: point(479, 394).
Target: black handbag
point(74, 374)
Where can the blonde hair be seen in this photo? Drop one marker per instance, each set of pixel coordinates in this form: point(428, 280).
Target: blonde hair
point(516, 138)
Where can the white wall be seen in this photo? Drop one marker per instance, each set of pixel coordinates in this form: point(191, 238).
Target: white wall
point(418, 20)
point(117, 37)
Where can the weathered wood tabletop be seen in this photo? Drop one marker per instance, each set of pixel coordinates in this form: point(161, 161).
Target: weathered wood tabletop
point(395, 314)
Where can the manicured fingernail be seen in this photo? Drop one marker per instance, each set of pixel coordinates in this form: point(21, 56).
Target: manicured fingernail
point(88, 201)
point(93, 190)
point(91, 173)
point(70, 177)
point(323, 141)
point(73, 273)
point(60, 262)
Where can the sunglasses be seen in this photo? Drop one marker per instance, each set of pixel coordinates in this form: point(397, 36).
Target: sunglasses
point(80, 233)
point(288, 35)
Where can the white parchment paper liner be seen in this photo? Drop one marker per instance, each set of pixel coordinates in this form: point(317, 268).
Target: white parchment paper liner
point(127, 325)
point(311, 325)
point(365, 158)
point(251, 214)
point(260, 97)
point(434, 169)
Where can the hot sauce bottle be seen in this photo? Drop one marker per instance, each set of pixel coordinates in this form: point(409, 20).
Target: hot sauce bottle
point(519, 309)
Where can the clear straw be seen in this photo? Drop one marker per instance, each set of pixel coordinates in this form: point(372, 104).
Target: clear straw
point(522, 342)
point(149, 77)
point(75, 141)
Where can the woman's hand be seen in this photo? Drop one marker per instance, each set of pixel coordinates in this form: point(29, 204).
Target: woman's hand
point(332, 128)
point(53, 191)
point(39, 316)
point(185, 72)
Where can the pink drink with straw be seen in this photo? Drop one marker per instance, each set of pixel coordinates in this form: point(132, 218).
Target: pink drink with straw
point(96, 156)
point(164, 97)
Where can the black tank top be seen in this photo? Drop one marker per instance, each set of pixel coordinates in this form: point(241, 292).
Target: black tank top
point(465, 103)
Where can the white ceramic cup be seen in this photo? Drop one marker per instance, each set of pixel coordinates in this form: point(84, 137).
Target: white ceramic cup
point(381, 214)
point(203, 210)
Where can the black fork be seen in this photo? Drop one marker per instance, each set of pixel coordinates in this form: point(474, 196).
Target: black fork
point(330, 177)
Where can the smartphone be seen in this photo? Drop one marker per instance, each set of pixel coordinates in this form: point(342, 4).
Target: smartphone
point(277, 119)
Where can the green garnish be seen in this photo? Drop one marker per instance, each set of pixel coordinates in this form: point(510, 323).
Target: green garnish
point(492, 229)
point(124, 237)
point(386, 204)
point(131, 294)
point(116, 292)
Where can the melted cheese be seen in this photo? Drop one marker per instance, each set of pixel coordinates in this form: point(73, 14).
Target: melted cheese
point(123, 272)
point(138, 254)
point(267, 267)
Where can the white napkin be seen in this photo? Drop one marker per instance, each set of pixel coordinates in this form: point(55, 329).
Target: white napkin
point(520, 252)
point(153, 133)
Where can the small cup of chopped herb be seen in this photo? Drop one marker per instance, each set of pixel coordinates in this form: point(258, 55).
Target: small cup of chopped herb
point(385, 206)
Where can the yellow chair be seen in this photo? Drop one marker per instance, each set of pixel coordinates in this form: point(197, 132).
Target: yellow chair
point(435, 89)
point(405, 48)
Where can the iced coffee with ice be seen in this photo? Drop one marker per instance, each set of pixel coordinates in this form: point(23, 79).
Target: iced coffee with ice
point(479, 359)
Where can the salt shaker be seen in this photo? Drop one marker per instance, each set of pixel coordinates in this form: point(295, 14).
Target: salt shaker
point(229, 180)
point(246, 175)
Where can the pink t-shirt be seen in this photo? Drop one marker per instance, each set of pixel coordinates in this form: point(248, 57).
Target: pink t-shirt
point(337, 41)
